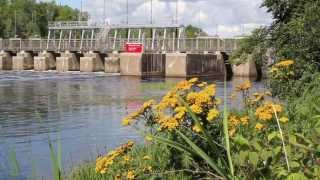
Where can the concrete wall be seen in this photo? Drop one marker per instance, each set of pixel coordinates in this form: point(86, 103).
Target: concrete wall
point(5, 61)
point(68, 62)
point(23, 61)
point(44, 61)
point(130, 64)
point(112, 65)
point(176, 65)
point(91, 62)
point(245, 70)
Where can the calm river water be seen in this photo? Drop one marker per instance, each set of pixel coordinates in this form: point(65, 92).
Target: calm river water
point(84, 111)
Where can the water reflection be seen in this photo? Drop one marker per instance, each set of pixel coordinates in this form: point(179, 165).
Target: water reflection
point(84, 110)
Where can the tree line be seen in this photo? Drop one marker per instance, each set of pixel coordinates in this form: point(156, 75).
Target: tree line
point(29, 18)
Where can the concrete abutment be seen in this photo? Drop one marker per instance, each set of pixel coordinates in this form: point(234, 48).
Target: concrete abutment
point(68, 61)
point(91, 62)
point(5, 61)
point(45, 61)
point(23, 61)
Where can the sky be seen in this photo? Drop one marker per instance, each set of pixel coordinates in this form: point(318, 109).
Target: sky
point(226, 18)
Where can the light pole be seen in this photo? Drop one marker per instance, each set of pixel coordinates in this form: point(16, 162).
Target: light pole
point(127, 12)
point(151, 12)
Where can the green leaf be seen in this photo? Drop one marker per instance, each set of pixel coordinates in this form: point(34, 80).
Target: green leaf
point(243, 157)
point(277, 150)
point(202, 154)
point(273, 135)
point(296, 176)
point(256, 145)
point(240, 140)
point(294, 164)
point(253, 158)
point(292, 138)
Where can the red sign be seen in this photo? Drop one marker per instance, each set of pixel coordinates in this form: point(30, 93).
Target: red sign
point(134, 47)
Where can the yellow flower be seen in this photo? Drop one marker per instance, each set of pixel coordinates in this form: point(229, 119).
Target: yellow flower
point(259, 126)
point(196, 109)
point(146, 157)
point(130, 175)
point(212, 115)
point(102, 163)
point(117, 177)
point(244, 86)
point(244, 120)
point(284, 63)
point(203, 84)
point(180, 112)
point(147, 169)
point(266, 111)
point(210, 90)
point(148, 138)
point(232, 131)
point(169, 123)
point(126, 158)
point(148, 104)
point(184, 85)
point(196, 129)
point(284, 119)
point(234, 121)
point(127, 121)
point(193, 80)
point(218, 101)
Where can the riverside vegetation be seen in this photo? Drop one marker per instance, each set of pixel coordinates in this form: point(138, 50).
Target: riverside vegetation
point(189, 136)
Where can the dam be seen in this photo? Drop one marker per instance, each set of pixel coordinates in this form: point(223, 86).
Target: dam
point(129, 49)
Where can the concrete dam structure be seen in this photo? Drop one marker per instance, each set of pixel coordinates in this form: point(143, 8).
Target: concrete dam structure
point(158, 50)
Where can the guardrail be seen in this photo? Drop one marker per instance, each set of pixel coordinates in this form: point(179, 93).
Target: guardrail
point(118, 44)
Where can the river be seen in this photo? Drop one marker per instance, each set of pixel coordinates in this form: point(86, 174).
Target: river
point(82, 111)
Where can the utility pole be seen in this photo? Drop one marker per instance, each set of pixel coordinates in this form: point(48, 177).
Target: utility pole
point(80, 16)
point(151, 12)
point(177, 3)
point(104, 10)
point(127, 12)
point(15, 23)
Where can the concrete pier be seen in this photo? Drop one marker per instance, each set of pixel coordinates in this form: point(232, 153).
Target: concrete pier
point(176, 65)
point(112, 63)
point(44, 61)
point(91, 62)
point(5, 61)
point(68, 62)
point(23, 61)
point(246, 70)
point(130, 64)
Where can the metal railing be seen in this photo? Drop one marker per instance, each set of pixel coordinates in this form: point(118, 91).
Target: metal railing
point(118, 44)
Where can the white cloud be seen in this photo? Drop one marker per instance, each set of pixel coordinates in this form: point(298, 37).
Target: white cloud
point(227, 17)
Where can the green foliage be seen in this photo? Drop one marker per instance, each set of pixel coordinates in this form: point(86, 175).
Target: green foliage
point(253, 46)
point(160, 161)
point(31, 17)
point(193, 32)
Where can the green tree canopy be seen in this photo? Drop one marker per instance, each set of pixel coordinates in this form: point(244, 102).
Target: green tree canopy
point(27, 18)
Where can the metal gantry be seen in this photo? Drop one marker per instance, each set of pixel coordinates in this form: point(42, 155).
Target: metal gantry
point(103, 37)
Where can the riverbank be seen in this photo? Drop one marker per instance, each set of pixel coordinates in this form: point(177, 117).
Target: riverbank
point(195, 138)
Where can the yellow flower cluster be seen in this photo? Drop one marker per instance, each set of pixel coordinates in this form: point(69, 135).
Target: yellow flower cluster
point(180, 112)
point(213, 115)
point(235, 121)
point(266, 111)
point(168, 122)
point(284, 63)
point(103, 163)
point(258, 97)
point(130, 175)
point(129, 119)
point(244, 86)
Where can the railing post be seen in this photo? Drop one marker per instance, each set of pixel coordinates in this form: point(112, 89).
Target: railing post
point(60, 39)
point(164, 39)
point(115, 39)
point(69, 40)
point(48, 41)
point(153, 38)
point(81, 40)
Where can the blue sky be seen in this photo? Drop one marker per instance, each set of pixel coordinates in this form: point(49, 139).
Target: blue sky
point(224, 17)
